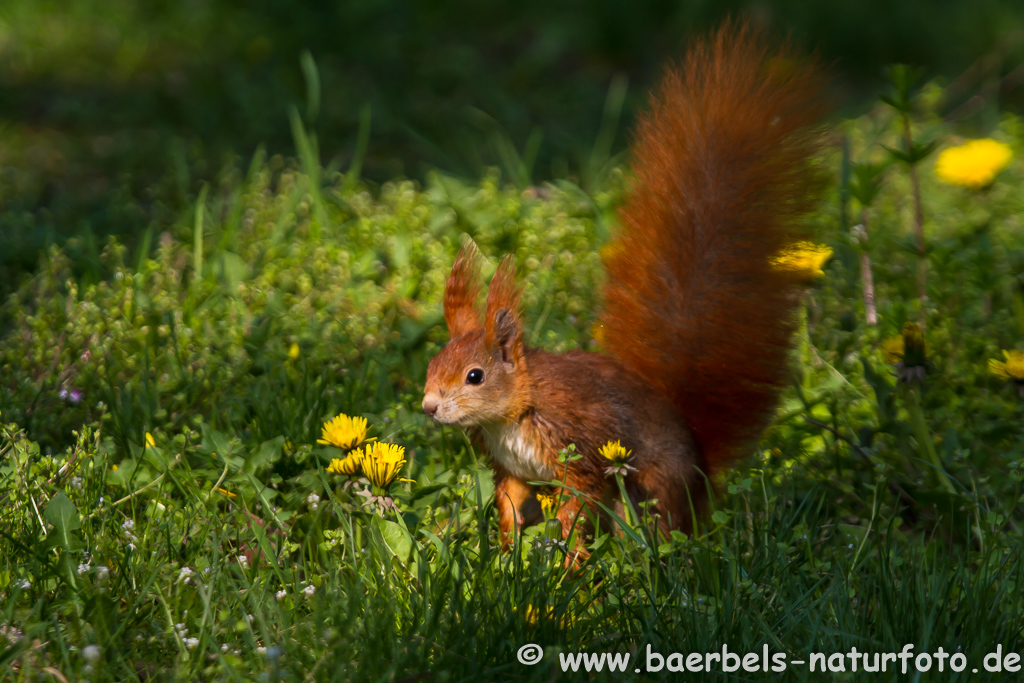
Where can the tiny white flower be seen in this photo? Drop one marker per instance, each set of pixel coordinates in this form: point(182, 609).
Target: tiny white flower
point(309, 590)
point(281, 594)
point(102, 573)
point(91, 653)
point(249, 617)
point(82, 568)
point(24, 584)
point(184, 574)
point(262, 650)
point(129, 524)
point(243, 561)
point(76, 483)
point(191, 643)
point(224, 647)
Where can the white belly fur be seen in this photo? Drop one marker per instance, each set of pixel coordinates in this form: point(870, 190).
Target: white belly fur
point(509, 447)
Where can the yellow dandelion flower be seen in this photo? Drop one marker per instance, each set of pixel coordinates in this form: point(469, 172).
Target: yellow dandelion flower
point(150, 441)
point(344, 431)
point(547, 503)
point(1011, 368)
point(803, 259)
point(892, 349)
point(113, 468)
point(614, 451)
point(350, 464)
point(382, 463)
point(293, 351)
point(973, 164)
point(225, 492)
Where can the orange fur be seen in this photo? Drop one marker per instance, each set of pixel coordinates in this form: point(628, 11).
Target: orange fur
point(503, 293)
point(461, 291)
point(697, 324)
point(724, 178)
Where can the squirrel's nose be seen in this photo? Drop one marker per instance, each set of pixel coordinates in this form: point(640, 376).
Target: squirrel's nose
point(430, 404)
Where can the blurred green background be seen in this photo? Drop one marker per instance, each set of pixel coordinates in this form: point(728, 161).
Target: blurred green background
point(113, 114)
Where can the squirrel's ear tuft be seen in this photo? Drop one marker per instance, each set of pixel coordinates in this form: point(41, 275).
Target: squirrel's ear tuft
point(502, 322)
point(461, 291)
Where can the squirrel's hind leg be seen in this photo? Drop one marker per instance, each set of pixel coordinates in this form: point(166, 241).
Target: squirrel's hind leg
point(681, 493)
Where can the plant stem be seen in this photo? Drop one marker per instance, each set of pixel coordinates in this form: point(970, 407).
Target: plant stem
point(915, 187)
point(924, 439)
point(632, 518)
point(867, 277)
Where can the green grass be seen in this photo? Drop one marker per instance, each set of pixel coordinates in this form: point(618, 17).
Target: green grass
point(842, 529)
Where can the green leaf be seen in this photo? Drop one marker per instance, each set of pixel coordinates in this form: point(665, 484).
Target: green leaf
point(867, 182)
point(216, 442)
point(231, 270)
point(264, 456)
point(126, 472)
point(444, 556)
point(851, 533)
point(101, 612)
point(197, 236)
point(898, 154)
point(63, 515)
point(919, 151)
point(394, 538)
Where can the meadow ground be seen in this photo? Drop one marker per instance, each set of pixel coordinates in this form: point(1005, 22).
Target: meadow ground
point(167, 513)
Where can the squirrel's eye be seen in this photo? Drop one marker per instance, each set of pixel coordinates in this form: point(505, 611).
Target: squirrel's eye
point(475, 376)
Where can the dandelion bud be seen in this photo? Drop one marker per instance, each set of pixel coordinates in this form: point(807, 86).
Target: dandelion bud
point(913, 367)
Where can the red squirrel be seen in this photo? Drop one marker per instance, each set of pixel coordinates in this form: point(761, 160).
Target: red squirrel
point(696, 325)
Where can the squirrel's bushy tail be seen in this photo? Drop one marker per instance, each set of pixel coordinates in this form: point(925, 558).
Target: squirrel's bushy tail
point(724, 165)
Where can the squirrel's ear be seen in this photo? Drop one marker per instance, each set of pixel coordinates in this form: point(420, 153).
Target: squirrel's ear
point(502, 322)
point(507, 335)
point(460, 292)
